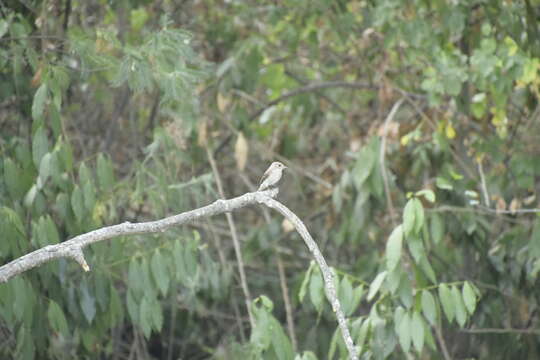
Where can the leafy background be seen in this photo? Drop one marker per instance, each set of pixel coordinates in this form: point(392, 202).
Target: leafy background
point(410, 130)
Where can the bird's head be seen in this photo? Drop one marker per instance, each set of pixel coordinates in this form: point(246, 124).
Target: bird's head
point(276, 165)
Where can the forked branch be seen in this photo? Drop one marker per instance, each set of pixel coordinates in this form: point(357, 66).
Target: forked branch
point(73, 248)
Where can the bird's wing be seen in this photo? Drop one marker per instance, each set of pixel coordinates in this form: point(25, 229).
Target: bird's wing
point(265, 176)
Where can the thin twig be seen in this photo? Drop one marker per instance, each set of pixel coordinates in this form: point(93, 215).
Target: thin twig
point(501, 331)
point(442, 343)
point(382, 157)
point(311, 88)
point(286, 301)
point(236, 242)
point(483, 182)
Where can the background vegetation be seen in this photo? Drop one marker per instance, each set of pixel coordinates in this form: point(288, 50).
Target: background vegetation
point(411, 129)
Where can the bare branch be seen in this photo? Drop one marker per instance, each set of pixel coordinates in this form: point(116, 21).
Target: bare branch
point(327, 273)
point(311, 88)
point(73, 247)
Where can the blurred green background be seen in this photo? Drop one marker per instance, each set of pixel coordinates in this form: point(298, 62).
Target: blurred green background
point(411, 132)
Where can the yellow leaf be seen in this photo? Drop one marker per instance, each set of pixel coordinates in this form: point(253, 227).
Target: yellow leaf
point(202, 132)
point(450, 131)
point(222, 102)
point(241, 149)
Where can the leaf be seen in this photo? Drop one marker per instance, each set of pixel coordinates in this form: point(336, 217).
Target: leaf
point(241, 150)
point(305, 282)
point(429, 195)
point(160, 273)
point(418, 215)
point(345, 294)
point(105, 173)
point(281, 344)
point(442, 183)
point(409, 216)
point(447, 301)
point(40, 145)
point(417, 331)
point(87, 302)
point(316, 290)
point(469, 297)
point(145, 316)
point(12, 178)
point(429, 307)
point(437, 228)
point(376, 285)
point(393, 248)
point(57, 319)
point(363, 167)
point(38, 104)
point(461, 311)
point(404, 332)
point(77, 203)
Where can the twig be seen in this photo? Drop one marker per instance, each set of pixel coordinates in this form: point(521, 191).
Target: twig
point(483, 182)
point(442, 343)
point(310, 88)
point(236, 242)
point(286, 301)
point(382, 157)
point(501, 331)
point(516, 211)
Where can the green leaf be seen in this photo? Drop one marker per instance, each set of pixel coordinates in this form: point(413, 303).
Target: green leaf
point(87, 302)
point(77, 203)
point(417, 331)
point(281, 344)
point(305, 282)
point(443, 184)
point(160, 273)
point(461, 311)
point(316, 290)
point(105, 173)
point(376, 285)
point(447, 301)
point(427, 194)
point(40, 145)
point(12, 178)
point(57, 319)
point(393, 248)
point(469, 297)
point(38, 104)
point(409, 213)
point(345, 295)
point(157, 314)
point(89, 195)
point(437, 228)
point(404, 332)
point(363, 167)
point(418, 215)
point(429, 307)
point(145, 316)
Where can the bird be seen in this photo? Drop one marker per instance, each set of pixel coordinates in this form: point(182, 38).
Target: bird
point(271, 176)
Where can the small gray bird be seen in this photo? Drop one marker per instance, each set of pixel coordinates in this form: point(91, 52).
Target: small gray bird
point(272, 175)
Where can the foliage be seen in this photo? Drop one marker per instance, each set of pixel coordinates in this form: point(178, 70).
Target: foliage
point(110, 117)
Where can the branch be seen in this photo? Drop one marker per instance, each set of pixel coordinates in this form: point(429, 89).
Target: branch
point(382, 158)
point(73, 248)
point(327, 273)
point(310, 88)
